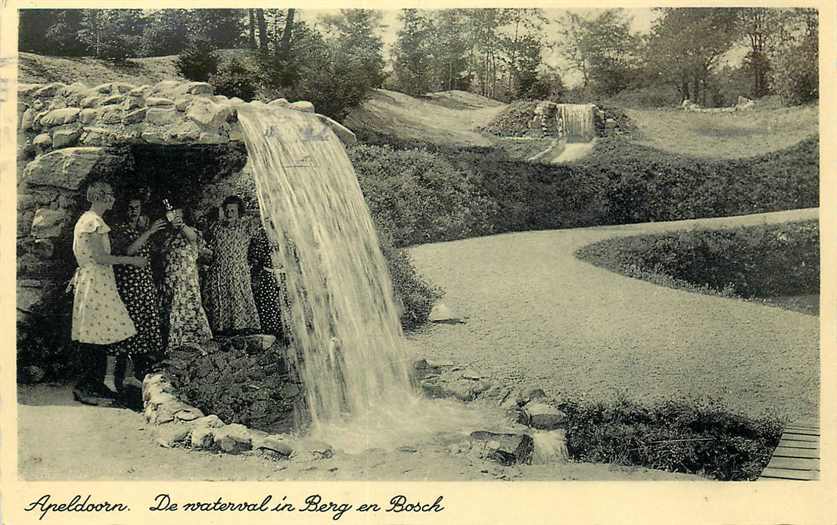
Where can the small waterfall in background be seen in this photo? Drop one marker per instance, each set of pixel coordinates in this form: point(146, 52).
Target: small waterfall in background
point(348, 346)
point(578, 122)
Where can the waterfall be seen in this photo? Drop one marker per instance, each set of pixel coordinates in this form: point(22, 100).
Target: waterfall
point(348, 346)
point(578, 123)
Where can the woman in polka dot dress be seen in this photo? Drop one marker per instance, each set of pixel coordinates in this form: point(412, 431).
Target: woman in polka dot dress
point(137, 289)
point(268, 291)
point(185, 317)
point(100, 318)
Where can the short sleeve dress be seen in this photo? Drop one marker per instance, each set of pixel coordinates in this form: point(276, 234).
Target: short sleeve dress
point(99, 315)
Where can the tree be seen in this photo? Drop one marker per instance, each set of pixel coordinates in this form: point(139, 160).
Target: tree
point(166, 32)
point(602, 49)
point(263, 36)
point(251, 28)
point(686, 44)
point(113, 34)
point(223, 27)
point(412, 54)
point(355, 33)
point(449, 49)
point(760, 27)
point(797, 57)
point(522, 47)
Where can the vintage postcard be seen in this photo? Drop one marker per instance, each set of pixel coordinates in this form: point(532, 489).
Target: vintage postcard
point(421, 263)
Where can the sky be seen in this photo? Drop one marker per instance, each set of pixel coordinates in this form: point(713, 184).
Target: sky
point(641, 20)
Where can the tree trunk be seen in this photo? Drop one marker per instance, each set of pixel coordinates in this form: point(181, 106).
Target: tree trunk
point(252, 28)
point(285, 47)
point(263, 36)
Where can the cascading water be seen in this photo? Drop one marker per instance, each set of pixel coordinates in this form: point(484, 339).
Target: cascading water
point(578, 122)
point(347, 338)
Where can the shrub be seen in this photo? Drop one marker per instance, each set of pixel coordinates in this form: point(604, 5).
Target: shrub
point(695, 437)
point(234, 80)
point(752, 262)
point(198, 61)
point(422, 196)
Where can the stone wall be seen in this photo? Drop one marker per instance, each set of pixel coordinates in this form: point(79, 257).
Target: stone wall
point(71, 135)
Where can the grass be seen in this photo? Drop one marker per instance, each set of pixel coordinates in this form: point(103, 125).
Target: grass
point(725, 135)
point(38, 69)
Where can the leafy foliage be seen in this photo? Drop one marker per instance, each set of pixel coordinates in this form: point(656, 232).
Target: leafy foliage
point(198, 61)
point(234, 80)
point(690, 436)
point(752, 262)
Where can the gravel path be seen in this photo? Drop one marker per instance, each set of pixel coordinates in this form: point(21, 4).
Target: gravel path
point(536, 315)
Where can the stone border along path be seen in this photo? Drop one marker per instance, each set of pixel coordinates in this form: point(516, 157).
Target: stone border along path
point(616, 299)
point(535, 315)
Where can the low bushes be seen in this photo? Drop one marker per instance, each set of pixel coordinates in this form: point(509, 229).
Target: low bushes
point(484, 191)
point(695, 437)
point(752, 262)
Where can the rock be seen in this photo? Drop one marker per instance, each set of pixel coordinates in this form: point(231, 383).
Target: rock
point(233, 439)
point(213, 138)
point(530, 394)
point(276, 444)
point(421, 364)
point(210, 421)
point(460, 390)
point(610, 123)
point(50, 90)
point(432, 390)
point(182, 103)
point(48, 224)
point(506, 449)
point(550, 448)
point(110, 115)
point(188, 414)
point(209, 114)
point(186, 132)
point(97, 137)
point(140, 91)
point(134, 117)
point(58, 117)
point(43, 248)
point(290, 390)
point(75, 92)
point(154, 102)
point(302, 105)
point(132, 102)
point(280, 102)
point(113, 100)
point(543, 416)
point(92, 101)
point(26, 90)
point(441, 313)
point(42, 142)
point(197, 88)
point(202, 437)
point(62, 138)
point(27, 121)
point(171, 435)
point(87, 115)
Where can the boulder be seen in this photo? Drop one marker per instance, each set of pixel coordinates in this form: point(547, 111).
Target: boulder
point(275, 444)
point(202, 437)
point(97, 137)
point(258, 343)
point(469, 373)
point(48, 223)
point(441, 313)
point(75, 92)
point(210, 421)
point(132, 102)
point(182, 103)
point(42, 142)
point(49, 90)
point(113, 100)
point(110, 115)
point(506, 449)
point(92, 101)
point(188, 414)
point(302, 105)
point(87, 115)
point(27, 121)
point(171, 435)
point(67, 168)
point(233, 439)
point(134, 117)
point(543, 416)
point(64, 137)
point(209, 114)
point(59, 117)
point(155, 102)
point(529, 395)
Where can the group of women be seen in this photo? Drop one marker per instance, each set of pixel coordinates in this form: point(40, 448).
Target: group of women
point(121, 310)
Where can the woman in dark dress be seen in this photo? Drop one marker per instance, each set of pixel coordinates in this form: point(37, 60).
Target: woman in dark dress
point(268, 288)
point(138, 292)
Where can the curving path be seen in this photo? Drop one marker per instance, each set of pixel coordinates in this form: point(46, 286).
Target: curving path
point(538, 316)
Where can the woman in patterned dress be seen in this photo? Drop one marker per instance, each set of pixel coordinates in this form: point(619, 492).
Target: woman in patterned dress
point(268, 289)
point(228, 290)
point(100, 318)
point(137, 289)
point(184, 314)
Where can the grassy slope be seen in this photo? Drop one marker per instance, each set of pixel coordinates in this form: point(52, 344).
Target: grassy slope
point(36, 69)
point(725, 135)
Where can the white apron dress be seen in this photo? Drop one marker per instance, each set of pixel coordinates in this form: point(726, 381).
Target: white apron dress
point(99, 315)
